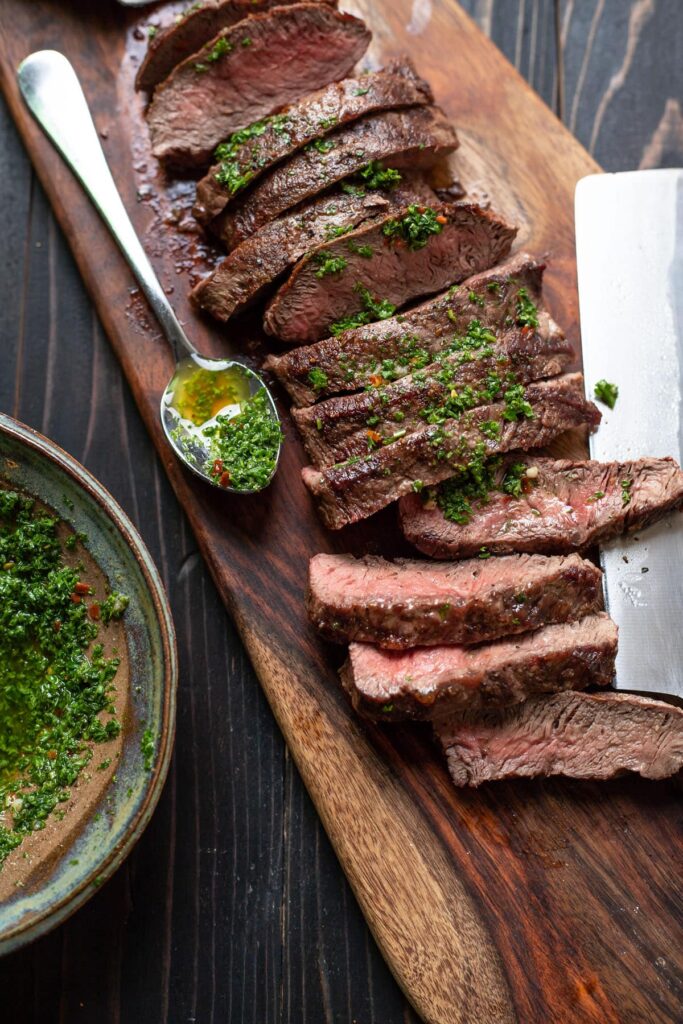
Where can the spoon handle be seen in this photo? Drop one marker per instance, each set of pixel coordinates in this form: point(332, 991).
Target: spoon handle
point(54, 96)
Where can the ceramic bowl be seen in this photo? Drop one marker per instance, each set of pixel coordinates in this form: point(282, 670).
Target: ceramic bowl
point(57, 869)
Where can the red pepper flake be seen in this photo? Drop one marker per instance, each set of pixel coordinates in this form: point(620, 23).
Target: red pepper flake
point(217, 467)
point(441, 219)
point(376, 379)
point(57, 625)
point(224, 479)
point(75, 598)
point(94, 611)
point(374, 436)
point(52, 754)
point(83, 588)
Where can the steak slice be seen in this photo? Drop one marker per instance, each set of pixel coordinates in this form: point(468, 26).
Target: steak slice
point(388, 349)
point(355, 424)
point(421, 604)
point(414, 139)
point(225, 87)
point(582, 735)
point(198, 24)
point(354, 490)
point(257, 263)
point(249, 154)
point(380, 259)
point(569, 505)
point(432, 682)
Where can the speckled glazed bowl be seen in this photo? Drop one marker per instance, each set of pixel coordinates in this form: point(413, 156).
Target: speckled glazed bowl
point(57, 869)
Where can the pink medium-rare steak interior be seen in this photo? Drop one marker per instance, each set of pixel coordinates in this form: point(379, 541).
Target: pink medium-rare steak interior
point(582, 735)
point(430, 682)
point(408, 603)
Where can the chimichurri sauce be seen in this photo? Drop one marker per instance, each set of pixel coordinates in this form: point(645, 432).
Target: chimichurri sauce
point(56, 685)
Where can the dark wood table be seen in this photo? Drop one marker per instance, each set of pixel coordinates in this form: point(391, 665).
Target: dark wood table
point(233, 908)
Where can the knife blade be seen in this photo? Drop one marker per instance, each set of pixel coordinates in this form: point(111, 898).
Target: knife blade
point(629, 249)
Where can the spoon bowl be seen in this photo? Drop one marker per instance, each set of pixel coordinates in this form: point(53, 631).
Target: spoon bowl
point(54, 96)
point(219, 390)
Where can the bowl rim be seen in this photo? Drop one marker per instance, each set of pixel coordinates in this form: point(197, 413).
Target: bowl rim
point(38, 923)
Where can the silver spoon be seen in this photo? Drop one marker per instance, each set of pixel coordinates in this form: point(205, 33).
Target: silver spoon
point(54, 96)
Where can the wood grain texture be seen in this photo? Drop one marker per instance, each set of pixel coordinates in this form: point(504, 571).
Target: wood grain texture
point(525, 855)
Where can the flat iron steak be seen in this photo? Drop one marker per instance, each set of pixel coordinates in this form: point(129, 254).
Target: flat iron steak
point(407, 603)
point(378, 268)
point(564, 505)
point(223, 87)
point(582, 735)
point(433, 682)
point(380, 352)
point(249, 154)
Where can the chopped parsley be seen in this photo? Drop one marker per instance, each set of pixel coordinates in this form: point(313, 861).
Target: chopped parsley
point(317, 378)
point(606, 393)
point(55, 681)
point(376, 176)
point(361, 250)
point(113, 606)
point(516, 405)
point(416, 227)
point(626, 495)
point(336, 231)
point(328, 263)
point(527, 313)
point(245, 448)
point(238, 165)
point(372, 309)
point(321, 145)
point(220, 48)
point(512, 480)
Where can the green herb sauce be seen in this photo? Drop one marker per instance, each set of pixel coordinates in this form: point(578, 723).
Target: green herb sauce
point(416, 227)
point(244, 448)
point(55, 681)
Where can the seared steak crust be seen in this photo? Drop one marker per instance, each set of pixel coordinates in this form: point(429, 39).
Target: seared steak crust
point(355, 359)
point(414, 139)
point(353, 424)
point(582, 735)
point(223, 88)
point(570, 506)
point(308, 304)
point(354, 490)
point(188, 34)
point(256, 264)
point(421, 604)
point(432, 682)
point(312, 117)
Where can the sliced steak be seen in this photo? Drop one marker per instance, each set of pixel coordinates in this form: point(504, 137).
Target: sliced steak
point(432, 682)
point(248, 72)
point(582, 735)
point(414, 139)
point(565, 506)
point(421, 604)
point(356, 424)
point(249, 154)
point(354, 490)
point(379, 263)
point(388, 349)
point(188, 33)
point(261, 259)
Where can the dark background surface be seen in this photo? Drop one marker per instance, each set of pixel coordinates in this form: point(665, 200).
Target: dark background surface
point(232, 908)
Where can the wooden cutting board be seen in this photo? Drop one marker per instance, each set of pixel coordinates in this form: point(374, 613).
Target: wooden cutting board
point(543, 901)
